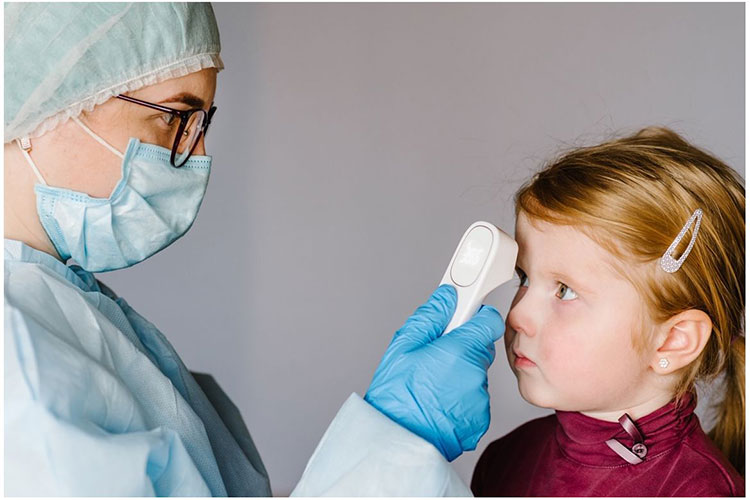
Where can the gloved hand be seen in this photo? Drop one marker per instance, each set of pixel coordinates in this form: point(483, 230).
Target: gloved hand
point(435, 385)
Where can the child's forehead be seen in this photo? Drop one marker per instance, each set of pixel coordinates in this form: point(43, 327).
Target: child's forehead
point(530, 229)
point(561, 247)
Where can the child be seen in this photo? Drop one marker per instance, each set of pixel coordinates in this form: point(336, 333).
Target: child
point(632, 268)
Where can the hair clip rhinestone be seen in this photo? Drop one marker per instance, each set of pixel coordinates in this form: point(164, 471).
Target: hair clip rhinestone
point(669, 263)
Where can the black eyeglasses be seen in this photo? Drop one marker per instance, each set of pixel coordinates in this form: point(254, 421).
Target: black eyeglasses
point(193, 124)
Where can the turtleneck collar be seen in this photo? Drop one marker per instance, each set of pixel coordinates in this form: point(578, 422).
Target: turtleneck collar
point(584, 439)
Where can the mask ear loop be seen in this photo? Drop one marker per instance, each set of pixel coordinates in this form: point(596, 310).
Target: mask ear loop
point(24, 144)
point(97, 138)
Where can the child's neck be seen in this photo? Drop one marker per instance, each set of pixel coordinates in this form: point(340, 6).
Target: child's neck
point(635, 411)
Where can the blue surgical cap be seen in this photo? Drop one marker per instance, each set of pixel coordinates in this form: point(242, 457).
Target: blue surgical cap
point(65, 58)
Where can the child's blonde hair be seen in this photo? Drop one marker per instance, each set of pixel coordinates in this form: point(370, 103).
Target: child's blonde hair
point(632, 196)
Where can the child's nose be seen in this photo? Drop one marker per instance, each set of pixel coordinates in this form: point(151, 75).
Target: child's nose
point(520, 317)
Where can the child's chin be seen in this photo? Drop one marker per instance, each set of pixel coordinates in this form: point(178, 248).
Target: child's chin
point(535, 395)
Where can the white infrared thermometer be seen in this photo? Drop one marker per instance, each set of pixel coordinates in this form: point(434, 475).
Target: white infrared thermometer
point(484, 260)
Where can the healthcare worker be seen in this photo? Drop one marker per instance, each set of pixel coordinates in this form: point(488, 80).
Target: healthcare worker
point(106, 109)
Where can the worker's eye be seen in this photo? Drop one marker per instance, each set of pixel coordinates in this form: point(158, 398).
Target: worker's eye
point(523, 279)
point(169, 119)
point(564, 292)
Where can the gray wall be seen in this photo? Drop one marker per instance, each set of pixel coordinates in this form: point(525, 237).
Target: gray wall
point(353, 145)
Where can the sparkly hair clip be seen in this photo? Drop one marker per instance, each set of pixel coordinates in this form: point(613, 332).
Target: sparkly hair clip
point(669, 263)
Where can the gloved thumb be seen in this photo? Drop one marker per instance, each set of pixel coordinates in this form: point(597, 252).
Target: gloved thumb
point(430, 319)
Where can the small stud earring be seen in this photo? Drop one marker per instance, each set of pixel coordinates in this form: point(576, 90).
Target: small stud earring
point(663, 363)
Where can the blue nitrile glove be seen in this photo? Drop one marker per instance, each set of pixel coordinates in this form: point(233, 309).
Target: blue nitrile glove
point(435, 385)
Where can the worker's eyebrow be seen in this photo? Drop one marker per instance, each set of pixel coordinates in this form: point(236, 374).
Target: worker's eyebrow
point(186, 98)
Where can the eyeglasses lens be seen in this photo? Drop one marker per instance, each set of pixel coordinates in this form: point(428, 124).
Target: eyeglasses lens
point(189, 136)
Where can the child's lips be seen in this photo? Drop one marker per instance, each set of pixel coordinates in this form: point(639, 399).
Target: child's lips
point(521, 361)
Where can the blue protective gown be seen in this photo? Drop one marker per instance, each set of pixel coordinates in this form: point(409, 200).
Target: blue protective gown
point(97, 402)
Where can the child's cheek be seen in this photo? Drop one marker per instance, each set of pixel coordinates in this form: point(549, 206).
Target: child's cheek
point(566, 353)
point(557, 353)
point(569, 333)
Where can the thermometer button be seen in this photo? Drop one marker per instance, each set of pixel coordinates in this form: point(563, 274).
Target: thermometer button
point(472, 256)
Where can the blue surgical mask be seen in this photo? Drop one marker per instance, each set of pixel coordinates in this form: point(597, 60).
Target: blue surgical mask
point(152, 206)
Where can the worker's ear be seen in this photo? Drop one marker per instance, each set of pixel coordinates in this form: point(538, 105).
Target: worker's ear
point(682, 337)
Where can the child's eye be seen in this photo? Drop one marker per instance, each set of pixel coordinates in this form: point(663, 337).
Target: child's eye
point(524, 280)
point(564, 292)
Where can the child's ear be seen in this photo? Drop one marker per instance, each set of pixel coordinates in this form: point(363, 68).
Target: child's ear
point(684, 337)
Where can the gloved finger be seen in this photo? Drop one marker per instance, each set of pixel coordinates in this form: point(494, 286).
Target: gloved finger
point(491, 322)
point(481, 332)
point(430, 319)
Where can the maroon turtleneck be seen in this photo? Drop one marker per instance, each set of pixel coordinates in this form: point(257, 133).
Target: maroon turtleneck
point(566, 454)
